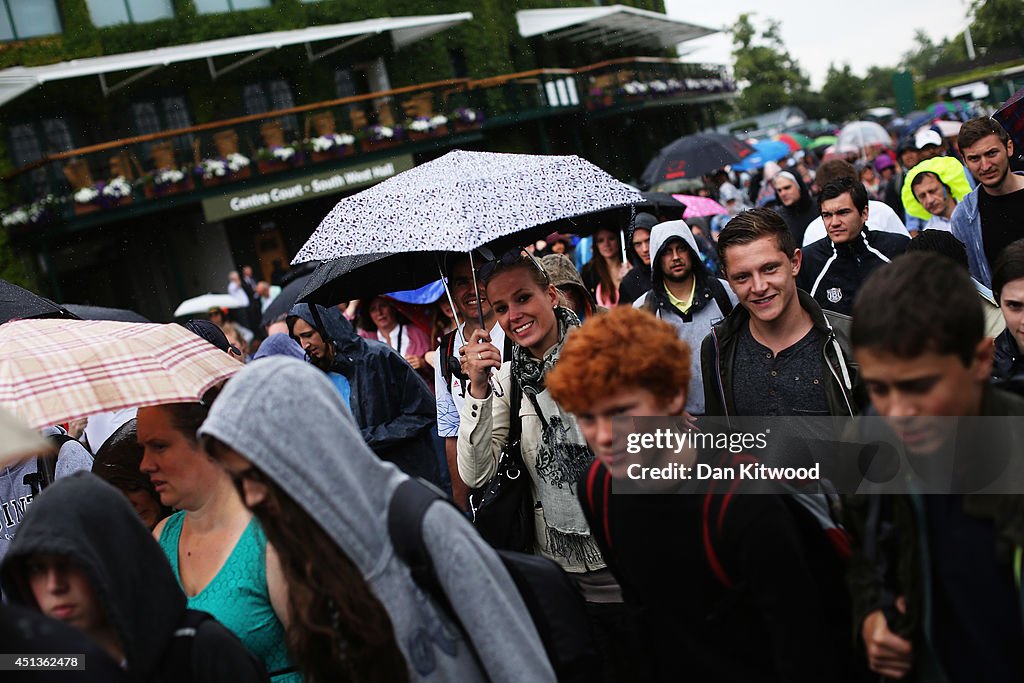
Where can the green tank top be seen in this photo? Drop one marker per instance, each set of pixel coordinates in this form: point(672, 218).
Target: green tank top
point(237, 596)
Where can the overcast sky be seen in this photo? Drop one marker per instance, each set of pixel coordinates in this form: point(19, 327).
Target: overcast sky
point(865, 33)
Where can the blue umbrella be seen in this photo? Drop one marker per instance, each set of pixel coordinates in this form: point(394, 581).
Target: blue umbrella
point(764, 151)
point(427, 294)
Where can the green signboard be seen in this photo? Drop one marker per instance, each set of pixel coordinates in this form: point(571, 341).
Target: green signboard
point(253, 199)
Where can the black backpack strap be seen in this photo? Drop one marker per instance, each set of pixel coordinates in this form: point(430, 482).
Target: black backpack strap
point(720, 295)
point(408, 506)
point(445, 349)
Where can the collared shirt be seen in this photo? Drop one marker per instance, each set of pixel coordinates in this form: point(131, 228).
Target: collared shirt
point(681, 304)
point(939, 223)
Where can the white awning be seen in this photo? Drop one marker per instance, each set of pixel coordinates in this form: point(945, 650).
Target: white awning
point(404, 31)
point(612, 25)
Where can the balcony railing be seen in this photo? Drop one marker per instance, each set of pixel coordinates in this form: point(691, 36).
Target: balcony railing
point(104, 177)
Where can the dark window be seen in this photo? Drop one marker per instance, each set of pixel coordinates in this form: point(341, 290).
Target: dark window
point(457, 58)
point(32, 141)
point(267, 96)
point(159, 114)
point(28, 18)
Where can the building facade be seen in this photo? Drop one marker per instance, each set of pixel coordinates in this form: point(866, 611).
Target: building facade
point(151, 146)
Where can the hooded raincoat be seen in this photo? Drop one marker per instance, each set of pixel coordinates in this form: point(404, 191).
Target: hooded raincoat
point(802, 213)
point(92, 523)
point(709, 297)
point(347, 491)
point(637, 281)
point(392, 405)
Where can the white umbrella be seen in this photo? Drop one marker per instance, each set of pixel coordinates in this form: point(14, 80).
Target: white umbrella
point(948, 129)
point(463, 201)
point(858, 135)
point(204, 302)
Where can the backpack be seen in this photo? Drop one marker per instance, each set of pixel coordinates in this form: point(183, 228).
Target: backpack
point(178, 663)
point(448, 346)
point(555, 605)
point(714, 507)
point(718, 293)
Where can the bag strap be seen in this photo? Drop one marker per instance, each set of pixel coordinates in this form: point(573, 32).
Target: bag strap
point(591, 496)
point(720, 295)
point(408, 506)
point(713, 524)
point(447, 346)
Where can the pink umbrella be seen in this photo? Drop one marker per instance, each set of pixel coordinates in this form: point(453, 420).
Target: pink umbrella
point(700, 206)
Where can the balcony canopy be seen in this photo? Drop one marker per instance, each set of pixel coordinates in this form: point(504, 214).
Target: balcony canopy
point(404, 30)
point(612, 25)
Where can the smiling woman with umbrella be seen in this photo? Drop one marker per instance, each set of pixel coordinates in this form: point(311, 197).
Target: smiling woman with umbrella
point(551, 445)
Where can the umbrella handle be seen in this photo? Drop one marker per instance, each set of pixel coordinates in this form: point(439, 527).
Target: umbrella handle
point(492, 379)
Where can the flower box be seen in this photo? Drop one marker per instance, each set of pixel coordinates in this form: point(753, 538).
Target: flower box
point(427, 135)
point(335, 153)
point(106, 203)
point(157, 190)
point(240, 174)
point(369, 145)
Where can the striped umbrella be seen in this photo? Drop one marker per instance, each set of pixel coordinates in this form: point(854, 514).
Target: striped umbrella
point(53, 371)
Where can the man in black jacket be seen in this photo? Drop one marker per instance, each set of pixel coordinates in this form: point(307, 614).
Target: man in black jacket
point(778, 353)
point(637, 281)
point(392, 405)
point(835, 266)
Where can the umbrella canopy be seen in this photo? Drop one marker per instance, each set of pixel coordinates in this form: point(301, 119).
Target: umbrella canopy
point(102, 313)
point(947, 129)
point(465, 200)
point(697, 206)
point(427, 294)
point(795, 141)
point(361, 277)
point(662, 205)
point(203, 303)
point(1011, 117)
point(52, 371)
point(285, 299)
point(692, 156)
point(18, 441)
point(855, 136)
point(17, 303)
point(823, 141)
point(766, 150)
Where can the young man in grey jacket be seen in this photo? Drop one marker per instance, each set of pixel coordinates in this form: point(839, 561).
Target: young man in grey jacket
point(686, 294)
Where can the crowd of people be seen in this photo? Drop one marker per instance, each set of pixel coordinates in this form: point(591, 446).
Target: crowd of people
point(251, 535)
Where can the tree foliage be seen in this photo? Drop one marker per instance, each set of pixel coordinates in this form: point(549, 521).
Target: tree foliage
point(770, 76)
point(997, 24)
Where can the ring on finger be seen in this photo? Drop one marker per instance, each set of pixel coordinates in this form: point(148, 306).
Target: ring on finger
point(479, 356)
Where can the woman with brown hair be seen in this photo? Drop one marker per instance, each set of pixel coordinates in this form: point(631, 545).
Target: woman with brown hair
point(356, 612)
point(603, 273)
point(218, 552)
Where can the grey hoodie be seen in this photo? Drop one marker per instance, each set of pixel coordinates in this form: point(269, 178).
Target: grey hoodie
point(338, 481)
point(693, 326)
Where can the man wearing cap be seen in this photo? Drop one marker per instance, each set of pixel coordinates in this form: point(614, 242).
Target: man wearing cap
point(990, 217)
point(637, 281)
point(687, 295)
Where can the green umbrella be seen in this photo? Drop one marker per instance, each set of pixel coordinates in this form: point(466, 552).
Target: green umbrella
point(823, 141)
point(802, 140)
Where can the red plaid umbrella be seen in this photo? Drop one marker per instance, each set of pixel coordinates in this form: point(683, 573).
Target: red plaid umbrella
point(52, 371)
point(1011, 117)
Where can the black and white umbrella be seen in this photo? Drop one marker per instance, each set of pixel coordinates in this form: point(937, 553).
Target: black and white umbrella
point(465, 200)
